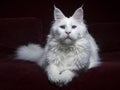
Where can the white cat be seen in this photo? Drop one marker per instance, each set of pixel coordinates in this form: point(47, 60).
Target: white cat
point(70, 49)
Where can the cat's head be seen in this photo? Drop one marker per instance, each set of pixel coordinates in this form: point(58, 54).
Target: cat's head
point(68, 30)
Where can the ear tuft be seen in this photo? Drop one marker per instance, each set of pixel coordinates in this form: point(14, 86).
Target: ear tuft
point(78, 14)
point(58, 14)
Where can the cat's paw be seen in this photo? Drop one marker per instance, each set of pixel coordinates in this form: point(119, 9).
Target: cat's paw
point(61, 79)
point(54, 78)
point(66, 77)
point(53, 74)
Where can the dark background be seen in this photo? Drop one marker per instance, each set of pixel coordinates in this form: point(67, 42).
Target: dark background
point(94, 10)
point(102, 18)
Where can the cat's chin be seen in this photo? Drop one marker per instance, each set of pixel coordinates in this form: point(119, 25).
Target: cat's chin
point(68, 41)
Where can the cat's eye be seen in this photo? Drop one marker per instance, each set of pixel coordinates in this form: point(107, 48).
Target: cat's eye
point(74, 26)
point(62, 26)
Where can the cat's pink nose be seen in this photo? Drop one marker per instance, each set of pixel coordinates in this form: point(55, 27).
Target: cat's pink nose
point(67, 33)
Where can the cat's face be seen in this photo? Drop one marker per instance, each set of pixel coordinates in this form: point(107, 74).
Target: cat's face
point(68, 30)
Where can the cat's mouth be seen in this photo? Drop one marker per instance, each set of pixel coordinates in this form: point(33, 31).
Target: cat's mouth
point(68, 37)
point(68, 40)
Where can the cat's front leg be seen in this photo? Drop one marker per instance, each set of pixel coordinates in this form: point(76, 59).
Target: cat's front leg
point(53, 73)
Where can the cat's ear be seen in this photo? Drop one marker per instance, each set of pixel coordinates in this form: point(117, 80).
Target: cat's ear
point(58, 14)
point(78, 14)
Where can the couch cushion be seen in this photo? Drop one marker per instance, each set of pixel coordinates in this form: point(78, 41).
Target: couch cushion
point(105, 77)
point(18, 31)
point(106, 35)
point(111, 56)
point(20, 75)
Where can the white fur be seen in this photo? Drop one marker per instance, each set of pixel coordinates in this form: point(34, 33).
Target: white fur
point(30, 52)
point(69, 49)
point(55, 76)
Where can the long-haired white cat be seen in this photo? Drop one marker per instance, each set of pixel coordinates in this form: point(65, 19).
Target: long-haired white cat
point(70, 49)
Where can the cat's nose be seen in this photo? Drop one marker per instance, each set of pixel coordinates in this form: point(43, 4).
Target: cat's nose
point(67, 33)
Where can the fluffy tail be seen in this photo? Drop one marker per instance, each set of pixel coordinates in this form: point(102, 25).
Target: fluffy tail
point(31, 52)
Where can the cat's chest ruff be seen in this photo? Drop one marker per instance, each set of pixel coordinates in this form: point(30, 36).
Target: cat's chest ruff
point(64, 55)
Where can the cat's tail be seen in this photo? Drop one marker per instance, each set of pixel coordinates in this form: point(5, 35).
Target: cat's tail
point(30, 52)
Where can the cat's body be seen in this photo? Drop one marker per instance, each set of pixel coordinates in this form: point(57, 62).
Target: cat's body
point(69, 49)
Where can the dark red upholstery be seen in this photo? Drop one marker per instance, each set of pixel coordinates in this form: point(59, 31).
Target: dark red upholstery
point(26, 25)
point(18, 31)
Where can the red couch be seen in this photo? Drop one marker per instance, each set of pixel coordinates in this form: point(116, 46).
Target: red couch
point(20, 24)
point(23, 75)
